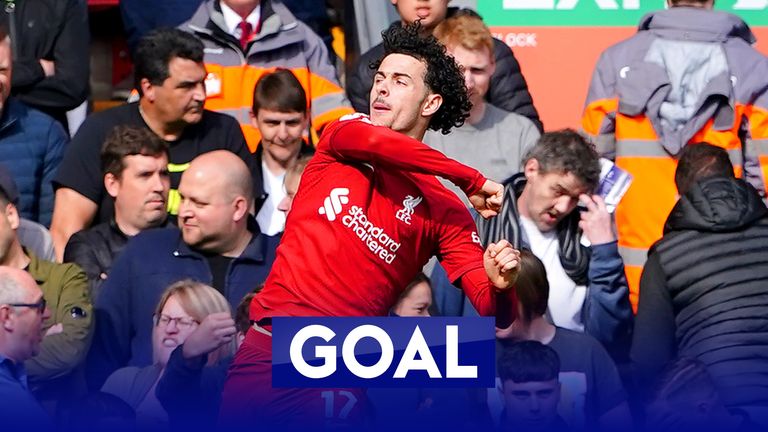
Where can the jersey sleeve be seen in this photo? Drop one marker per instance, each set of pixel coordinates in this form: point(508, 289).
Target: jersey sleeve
point(486, 299)
point(355, 138)
point(461, 255)
point(459, 249)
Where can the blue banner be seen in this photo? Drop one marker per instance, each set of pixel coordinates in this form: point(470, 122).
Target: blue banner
point(383, 352)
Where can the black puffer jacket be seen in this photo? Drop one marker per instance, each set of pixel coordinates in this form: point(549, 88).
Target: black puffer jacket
point(704, 291)
point(508, 89)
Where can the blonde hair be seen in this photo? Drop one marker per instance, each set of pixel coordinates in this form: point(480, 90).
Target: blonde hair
point(467, 31)
point(200, 300)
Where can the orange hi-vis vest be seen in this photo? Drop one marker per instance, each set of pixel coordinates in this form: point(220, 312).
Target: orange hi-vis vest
point(282, 42)
point(224, 84)
point(622, 115)
point(641, 214)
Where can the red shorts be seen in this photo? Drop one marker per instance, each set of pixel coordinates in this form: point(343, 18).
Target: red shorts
point(249, 399)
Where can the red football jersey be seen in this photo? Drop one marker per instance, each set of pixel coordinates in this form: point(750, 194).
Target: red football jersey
point(368, 215)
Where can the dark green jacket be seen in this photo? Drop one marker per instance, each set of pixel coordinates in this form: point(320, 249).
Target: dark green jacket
point(65, 288)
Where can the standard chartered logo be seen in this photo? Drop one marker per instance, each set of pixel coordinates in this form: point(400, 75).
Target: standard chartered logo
point(373, 237)
point(333, 203)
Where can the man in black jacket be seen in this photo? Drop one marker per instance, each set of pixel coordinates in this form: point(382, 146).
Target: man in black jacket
point(508, 89)
point(135, 166)
point(703, 289)
point(51, 66)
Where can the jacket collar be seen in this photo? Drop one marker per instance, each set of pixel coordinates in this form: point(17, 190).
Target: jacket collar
point(16, 369)
point(717, 204)
point(255, 250)
point(260, 193)
point(647, 88)
point(38, 269)
point(275, 18)
point(11, 113)
point(116, 229)
point(118, 232)
point(697, 25)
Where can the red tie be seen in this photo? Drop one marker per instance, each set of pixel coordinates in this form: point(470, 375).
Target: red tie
point(246, 29)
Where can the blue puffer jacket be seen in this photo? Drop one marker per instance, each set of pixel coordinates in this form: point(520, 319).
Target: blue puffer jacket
point(31, 147)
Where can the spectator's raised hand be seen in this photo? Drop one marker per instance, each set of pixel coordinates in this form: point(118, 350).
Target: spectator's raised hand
point(487, 201)
point(216, 330)
point(502, 263)
point(596, 221)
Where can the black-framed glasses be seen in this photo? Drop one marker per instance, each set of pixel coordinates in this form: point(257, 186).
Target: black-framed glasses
point(40, 305)
point(182, 323)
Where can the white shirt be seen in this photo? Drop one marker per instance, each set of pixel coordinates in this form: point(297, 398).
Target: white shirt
point(271, 220)
point(566, 299)
point(233, 20)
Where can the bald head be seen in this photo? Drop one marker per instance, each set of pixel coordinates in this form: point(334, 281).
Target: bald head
point(216, 195)
point(227, 168)
point(16, 286)
point(21, 316)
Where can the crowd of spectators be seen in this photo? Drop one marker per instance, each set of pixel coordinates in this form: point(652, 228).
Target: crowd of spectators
point(130, 252)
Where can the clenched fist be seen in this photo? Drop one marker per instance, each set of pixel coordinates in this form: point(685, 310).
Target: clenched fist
point(216, 330)
point(502, 264)
point(487, 201)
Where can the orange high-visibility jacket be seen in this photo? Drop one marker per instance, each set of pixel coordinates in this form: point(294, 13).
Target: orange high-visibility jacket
point(689, 75)
point(282, 41)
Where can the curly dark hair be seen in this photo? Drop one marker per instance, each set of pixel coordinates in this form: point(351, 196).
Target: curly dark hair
point(443, 76)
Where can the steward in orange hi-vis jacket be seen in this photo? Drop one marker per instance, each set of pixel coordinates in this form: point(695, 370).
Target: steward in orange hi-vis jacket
point(277, 39)
point(689, 75)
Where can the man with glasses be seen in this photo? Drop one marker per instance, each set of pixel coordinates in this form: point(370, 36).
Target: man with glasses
point(23, 313)
point(69, 325)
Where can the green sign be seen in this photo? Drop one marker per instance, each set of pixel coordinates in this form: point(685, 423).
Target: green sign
point(603, 13)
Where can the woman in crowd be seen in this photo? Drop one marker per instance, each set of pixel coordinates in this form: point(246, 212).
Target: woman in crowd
point(194, 331)
point(416, 300)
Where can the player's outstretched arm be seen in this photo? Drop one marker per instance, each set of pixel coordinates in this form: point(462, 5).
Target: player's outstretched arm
point(502, 264)
point(491, 289)
point(360, 141)
point(487, 200)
